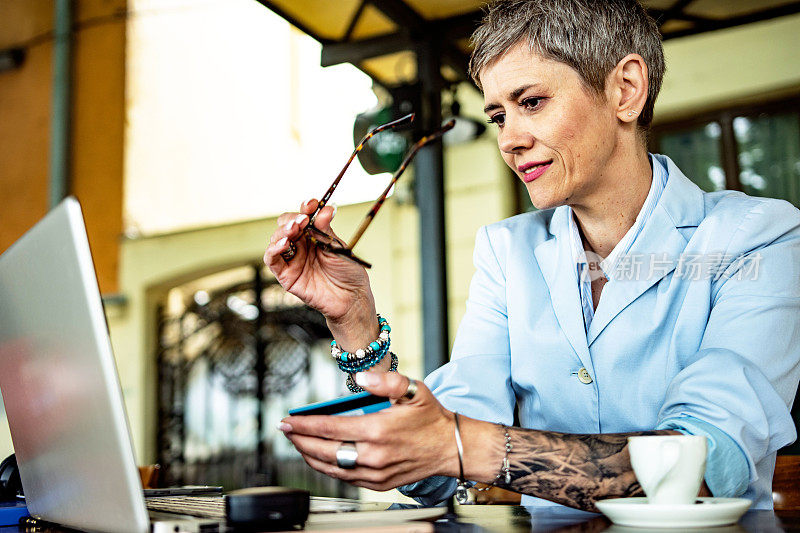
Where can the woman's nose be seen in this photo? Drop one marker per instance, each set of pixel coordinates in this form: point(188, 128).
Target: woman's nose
point(514, 138)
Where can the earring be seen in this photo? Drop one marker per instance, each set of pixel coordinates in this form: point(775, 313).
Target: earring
point(632, 112)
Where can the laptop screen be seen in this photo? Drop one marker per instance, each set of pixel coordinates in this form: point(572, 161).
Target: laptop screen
point(60, 385)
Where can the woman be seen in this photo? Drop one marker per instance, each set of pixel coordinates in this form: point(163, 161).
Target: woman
point(631, 303)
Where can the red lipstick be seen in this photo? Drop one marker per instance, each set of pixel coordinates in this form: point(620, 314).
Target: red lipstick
point(531, 171)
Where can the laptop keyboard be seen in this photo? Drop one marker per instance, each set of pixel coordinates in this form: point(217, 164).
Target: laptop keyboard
point(199, 506)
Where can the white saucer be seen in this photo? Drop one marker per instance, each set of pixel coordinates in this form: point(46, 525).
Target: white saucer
point(636, 512)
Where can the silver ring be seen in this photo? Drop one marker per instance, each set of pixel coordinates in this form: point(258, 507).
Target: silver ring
point(411, 391)
point(347, 455)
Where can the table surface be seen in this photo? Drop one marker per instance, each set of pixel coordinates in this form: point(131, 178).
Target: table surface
point(515, 518)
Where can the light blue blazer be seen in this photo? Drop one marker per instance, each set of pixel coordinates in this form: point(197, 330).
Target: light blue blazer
point(724, 348)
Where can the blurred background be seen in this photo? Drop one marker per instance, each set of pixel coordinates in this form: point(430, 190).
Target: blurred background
point(185, 127)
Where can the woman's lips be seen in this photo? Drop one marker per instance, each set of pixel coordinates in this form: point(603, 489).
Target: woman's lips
point(531, 171)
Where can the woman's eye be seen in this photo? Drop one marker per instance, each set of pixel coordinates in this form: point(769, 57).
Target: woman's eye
point(531, 103)
point(499, 119)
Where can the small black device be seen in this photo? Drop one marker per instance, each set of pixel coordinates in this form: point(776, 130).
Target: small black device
point(266, 508)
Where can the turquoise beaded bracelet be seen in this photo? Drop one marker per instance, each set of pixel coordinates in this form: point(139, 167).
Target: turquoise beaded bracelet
point(365, 358)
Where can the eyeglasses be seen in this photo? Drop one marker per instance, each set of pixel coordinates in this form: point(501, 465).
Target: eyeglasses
point(329, 243)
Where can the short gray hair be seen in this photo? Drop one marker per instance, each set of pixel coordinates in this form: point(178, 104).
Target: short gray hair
point(591, 36)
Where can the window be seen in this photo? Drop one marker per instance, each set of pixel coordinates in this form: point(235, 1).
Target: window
point(752, 149)
point(698, 153)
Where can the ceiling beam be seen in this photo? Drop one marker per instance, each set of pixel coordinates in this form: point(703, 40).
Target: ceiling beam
point(453, 57)
point(712, 24)
point(667, 14)
point(357, 51)
point(354, 21)
point(689, 18)
point(400, 13)
point(457, 26)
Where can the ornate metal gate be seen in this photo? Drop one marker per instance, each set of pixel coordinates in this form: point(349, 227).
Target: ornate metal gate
point(232, 358)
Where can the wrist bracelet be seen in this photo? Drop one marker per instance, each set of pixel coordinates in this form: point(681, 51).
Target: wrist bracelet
point(505, 468)
point(462, 496)
point(366, 363)
point(365, 358)
point(352, 386)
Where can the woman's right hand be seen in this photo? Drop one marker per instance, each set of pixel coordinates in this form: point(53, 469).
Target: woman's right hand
point(335, 286)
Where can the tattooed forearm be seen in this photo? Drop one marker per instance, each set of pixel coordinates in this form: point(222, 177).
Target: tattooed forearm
point(574, 470)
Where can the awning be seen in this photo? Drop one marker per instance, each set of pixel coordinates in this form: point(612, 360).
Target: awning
point(380, 36)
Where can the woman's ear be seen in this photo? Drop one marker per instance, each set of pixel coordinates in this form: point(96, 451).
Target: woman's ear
point(629, 87)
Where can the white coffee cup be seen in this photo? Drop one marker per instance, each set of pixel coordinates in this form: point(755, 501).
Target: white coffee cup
point(670, 468)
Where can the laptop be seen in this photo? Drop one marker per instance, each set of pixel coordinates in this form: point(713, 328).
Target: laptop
point(61, 390)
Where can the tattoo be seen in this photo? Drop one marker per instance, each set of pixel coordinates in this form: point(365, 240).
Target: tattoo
point(574, 470)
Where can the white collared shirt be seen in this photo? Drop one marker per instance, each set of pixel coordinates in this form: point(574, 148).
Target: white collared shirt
point(609, 265)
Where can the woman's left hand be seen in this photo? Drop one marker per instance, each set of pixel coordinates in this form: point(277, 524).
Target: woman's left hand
point(407, 442)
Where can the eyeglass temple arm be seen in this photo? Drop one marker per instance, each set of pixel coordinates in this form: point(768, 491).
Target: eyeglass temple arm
point(427, 139)
point(395, 123)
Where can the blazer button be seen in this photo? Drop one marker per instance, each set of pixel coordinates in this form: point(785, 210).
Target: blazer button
point(584, 377)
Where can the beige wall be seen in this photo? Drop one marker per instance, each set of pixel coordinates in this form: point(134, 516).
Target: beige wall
point(25, 122)
point(97, 122)
point(743, 64)
point(98, 128)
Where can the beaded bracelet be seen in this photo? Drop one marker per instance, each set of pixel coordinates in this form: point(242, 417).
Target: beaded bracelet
point(367, 357)
point(365, 363)
point(354, 387)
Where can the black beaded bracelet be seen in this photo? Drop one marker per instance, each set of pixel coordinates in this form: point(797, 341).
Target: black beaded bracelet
point(354, 387)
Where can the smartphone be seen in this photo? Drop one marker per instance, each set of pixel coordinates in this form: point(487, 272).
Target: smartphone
point(354, 405)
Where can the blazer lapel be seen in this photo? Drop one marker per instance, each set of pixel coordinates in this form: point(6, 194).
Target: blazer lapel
point(555, 260)
point(656, 251)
